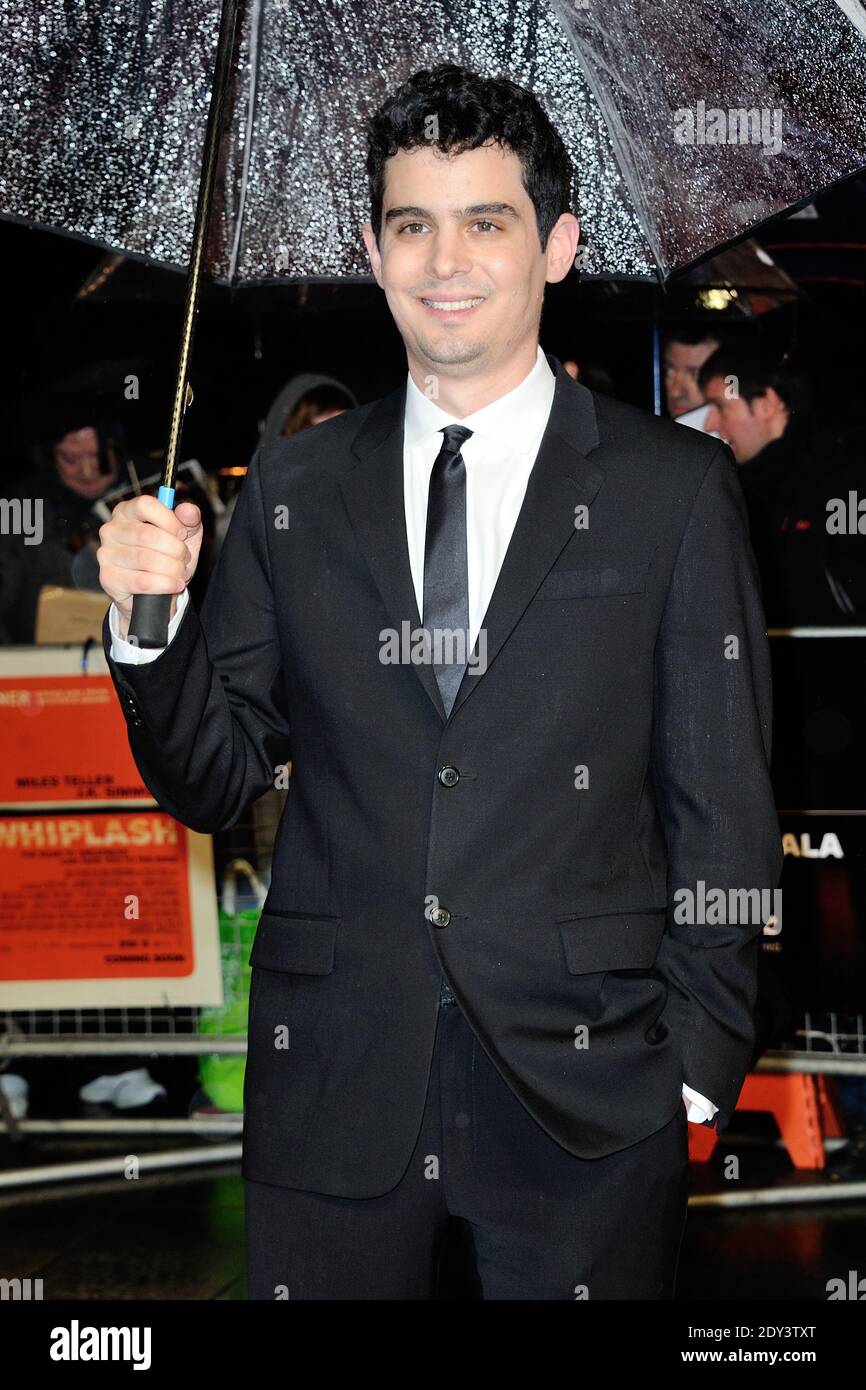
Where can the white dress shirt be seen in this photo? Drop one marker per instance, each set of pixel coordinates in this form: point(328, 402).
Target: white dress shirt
point(499, 458)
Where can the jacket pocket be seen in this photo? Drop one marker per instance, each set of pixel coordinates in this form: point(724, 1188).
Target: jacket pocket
point(612, 941)
point(299, 945)
point(597, 581)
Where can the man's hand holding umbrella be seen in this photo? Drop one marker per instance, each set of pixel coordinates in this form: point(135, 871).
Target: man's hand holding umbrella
point(148, 549)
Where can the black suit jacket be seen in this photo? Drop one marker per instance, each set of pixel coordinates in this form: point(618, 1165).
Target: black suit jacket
point(608, 649)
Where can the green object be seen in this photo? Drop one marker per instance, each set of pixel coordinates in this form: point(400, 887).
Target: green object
point(221, 1076)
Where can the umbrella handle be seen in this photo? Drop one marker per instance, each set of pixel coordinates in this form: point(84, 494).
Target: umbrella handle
point(148, 625)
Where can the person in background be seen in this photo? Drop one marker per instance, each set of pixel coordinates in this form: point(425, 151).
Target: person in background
point(755, 397)
point(78, 457)
point(308, 399)
point(789, 469)
point(684, 353)
point(305, 400)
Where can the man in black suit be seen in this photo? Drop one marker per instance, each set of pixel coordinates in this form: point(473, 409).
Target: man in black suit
point(486, 985)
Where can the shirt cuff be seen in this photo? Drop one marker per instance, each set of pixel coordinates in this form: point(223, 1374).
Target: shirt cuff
point(128, 652)
point(700, 1110)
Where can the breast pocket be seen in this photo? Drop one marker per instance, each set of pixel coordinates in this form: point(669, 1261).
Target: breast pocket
point(599, 580)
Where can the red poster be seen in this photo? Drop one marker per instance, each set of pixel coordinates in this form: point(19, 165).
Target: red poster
point(95, 896)
point(64, 743)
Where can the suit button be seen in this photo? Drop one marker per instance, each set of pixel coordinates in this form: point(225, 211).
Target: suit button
point(440, 917)
point(449, 776)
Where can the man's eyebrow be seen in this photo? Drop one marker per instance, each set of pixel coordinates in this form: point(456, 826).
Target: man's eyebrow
point(477, 210)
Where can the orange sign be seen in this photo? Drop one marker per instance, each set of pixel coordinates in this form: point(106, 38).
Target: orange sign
point(64, 743)
point(98, 897)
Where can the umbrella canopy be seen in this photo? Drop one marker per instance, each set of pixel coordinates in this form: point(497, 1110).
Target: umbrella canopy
point(687, 125)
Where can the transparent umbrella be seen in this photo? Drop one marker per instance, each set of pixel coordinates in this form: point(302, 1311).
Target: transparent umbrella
point(233, 140)
point(687, 124)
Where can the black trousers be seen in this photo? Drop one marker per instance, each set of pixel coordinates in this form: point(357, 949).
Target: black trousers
point(528, 1219)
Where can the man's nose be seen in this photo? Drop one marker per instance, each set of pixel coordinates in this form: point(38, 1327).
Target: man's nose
point(449, 255)
point(713, 422)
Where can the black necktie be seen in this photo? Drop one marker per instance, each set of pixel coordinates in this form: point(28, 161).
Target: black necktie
point(446, 587)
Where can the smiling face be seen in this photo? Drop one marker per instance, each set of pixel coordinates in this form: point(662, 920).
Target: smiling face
point(461, 264)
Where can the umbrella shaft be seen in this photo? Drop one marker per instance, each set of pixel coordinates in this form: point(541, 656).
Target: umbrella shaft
point(222, 65)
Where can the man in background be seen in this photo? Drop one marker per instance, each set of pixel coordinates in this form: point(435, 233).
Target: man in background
point(685, 351)
point(760, 403)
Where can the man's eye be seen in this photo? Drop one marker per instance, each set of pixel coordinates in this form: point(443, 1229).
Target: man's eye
point(407, 225)
point(483, 222)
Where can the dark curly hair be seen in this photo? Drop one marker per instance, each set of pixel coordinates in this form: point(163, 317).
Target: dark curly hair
point(471, 110)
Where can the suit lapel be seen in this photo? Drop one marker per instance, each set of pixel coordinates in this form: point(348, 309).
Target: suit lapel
point(561, 480)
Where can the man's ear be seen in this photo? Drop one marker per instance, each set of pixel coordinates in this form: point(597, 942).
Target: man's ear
point(372, 252)
point(562, 247)
point(774, 405)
